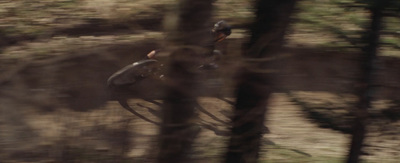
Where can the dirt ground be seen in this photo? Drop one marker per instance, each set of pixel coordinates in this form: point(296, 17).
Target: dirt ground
point(111, 132)
point(56, 108)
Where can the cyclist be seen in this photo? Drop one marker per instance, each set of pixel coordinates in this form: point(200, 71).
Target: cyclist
point(144, 68)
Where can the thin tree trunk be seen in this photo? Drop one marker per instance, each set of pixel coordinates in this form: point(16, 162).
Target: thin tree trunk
point(366, 81)
point(255, 81)
point(178, 129)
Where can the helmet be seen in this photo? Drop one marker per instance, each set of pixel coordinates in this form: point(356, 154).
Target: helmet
point(221, 30)
point(222, 27)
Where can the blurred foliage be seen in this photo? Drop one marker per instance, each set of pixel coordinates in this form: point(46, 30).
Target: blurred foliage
point(342, 23)
point(34, 17)
point(25, 20)
point(28, 20)
point(335, 24)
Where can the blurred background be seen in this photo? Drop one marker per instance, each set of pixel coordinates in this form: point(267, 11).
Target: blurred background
point(56, 56)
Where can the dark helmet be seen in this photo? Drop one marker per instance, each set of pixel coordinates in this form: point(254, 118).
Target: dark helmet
point(222, 27)
point(221, 30)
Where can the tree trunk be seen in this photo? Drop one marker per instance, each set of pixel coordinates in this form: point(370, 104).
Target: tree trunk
point(255, 81)
point(366, 81)
point(192, 38)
